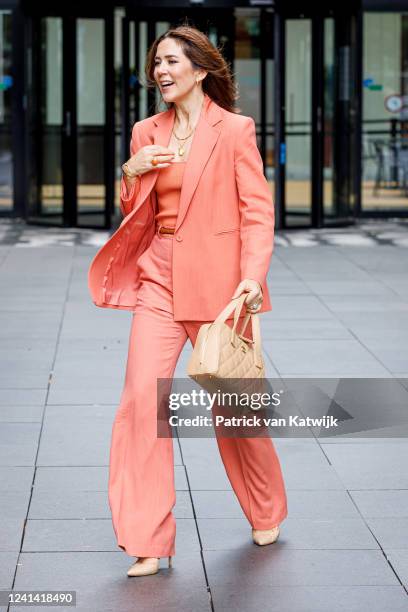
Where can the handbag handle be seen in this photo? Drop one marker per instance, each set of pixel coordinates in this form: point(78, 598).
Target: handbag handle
point(256, 334)
point(236, 305)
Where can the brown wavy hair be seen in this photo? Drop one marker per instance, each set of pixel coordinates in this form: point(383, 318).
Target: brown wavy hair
point(218, 83)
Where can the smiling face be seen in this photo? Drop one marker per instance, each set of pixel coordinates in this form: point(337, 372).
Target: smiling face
point(173, 66)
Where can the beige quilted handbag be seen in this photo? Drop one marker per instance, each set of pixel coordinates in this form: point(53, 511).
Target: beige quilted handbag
point(222, 358)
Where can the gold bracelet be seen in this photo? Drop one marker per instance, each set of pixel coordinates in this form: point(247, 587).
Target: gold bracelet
point(126, 172)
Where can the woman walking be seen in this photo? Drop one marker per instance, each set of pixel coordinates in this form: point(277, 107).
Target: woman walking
point(197, 231)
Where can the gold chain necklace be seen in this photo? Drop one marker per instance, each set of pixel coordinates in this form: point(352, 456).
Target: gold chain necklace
point(181, 149)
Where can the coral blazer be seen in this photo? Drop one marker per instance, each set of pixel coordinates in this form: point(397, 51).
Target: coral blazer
point(225, 226)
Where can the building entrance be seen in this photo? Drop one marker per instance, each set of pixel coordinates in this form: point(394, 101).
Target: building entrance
point(70, 112)
point(297, 75)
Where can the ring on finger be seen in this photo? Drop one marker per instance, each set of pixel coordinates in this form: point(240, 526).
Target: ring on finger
point(154, 161)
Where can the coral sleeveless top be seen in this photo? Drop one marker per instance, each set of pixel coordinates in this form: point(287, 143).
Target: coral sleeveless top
point(168, 187)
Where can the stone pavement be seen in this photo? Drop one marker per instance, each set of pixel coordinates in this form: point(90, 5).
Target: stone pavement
point(340, 308)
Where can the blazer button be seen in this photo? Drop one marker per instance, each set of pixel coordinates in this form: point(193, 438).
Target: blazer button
point(179, 238)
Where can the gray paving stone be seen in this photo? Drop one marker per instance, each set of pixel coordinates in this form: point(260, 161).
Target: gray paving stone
point(308, 533)
point(38, 303)
point(66, 441)
point(81, 478)
point(379, 465)
point(339, 358)
point(287, 285)
point(73, 478)
point(323, 505)
point(375, 324)
point(376, 436)
point(288, 567)
point(106, 367)
point(14, 504)
point(70, 347)
point(399, 561)
point(28, 359)
point(296, 467)
point(346, 289)
point(70, 444)
point(344, 494)
point(15, 478)
point(20, 325)
point(18, 443)
point(233, 534)
point(8, 562)
point(301, 329)
point(71, 504)
point(385, 504)
point(387, 304)
point(319, 271)
point(299, 307)
point(89, 321)
point(22, 397)
point(388, 259)
point(102, 584)
point(76, 535)
point(397, 283)
point(9, 378)
point(204, 475)
point(314, 598)
point(11, 530)
point(60, 395)
point(304, 466)
point(391, 354)
point(20, 414)
point(392, 533)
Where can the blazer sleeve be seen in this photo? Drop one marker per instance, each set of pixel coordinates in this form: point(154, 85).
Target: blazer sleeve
point(255, 204)
point(127, 200)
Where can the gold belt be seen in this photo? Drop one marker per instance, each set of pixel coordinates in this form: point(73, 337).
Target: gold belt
point(166, 230)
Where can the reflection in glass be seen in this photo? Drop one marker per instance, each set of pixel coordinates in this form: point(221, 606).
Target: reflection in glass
point(270, 107)
point(328, 119)
point(6, 82)
point(49, 147)
point(247, 62)
point(119, 14)
point(298, 125)
point(385, 112)
point(90, 120)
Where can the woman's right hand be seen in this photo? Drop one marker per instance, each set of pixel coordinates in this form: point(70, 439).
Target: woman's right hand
point(141, 161)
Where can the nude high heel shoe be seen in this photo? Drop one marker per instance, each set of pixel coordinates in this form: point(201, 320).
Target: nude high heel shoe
point(145, 566)
point(265, 536)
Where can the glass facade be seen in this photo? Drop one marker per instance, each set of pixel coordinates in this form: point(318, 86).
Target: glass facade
point(328, 117)
point(49, 136)
point(90, 104)
point(298, 119)
point(384, 183)
point(6, 84)
point(328, 93)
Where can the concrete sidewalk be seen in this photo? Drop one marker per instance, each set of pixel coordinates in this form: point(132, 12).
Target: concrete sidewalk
point(340, 309)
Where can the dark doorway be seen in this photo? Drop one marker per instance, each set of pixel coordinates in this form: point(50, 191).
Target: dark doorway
point(70, 120)
point(317, 137)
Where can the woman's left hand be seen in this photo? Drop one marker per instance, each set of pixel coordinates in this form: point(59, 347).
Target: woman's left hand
point(254, 298)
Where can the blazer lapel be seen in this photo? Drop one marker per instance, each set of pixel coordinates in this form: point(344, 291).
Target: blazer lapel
point(204, 140)
point(203, 143)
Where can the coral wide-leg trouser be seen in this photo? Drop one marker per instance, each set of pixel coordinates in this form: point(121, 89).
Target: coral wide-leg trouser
point(141, 472)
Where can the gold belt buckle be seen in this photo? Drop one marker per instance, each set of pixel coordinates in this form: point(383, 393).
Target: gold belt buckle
point(165, 230)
